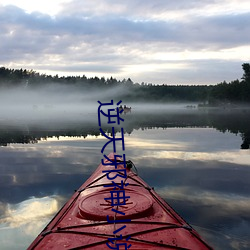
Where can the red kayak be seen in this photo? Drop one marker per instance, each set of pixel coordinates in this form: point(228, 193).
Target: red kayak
point(116, 209)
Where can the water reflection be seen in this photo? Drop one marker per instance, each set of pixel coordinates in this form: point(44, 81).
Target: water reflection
point(234, 121)
point(19, 222)
point(29, 210)
point(193, 161)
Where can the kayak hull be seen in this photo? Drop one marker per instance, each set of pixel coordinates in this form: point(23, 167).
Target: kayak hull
point(87, 220)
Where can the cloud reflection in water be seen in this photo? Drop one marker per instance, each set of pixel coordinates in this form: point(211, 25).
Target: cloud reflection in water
point(26, 219)
point(198, 171)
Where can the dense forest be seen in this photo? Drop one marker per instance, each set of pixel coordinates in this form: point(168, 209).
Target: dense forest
point(234, 92)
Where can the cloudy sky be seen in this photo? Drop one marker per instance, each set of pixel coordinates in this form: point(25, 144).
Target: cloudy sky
point(157, 41)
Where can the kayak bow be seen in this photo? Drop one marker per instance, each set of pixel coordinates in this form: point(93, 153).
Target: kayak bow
point(148, 221)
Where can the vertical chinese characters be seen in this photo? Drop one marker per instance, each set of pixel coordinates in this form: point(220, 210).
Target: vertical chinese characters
point(117, 175)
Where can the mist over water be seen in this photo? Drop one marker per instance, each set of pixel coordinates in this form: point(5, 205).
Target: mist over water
point(59, 107)
point(61, 102)
point(54, 102)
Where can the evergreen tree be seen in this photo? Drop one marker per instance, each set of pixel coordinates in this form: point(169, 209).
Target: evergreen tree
point(246, 69)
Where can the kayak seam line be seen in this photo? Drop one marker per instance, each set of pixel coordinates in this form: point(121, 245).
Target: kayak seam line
point(124, 236)
point(129, 222)
point(133, 234)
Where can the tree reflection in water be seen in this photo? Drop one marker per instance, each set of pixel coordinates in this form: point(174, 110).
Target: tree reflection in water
point(233, 121)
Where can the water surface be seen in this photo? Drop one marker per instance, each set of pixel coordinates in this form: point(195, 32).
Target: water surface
point(193, 158)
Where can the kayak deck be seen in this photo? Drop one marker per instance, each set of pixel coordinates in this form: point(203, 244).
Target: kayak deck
point(147, 221)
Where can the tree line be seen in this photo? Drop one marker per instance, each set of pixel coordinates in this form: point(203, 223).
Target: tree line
point(236, 91)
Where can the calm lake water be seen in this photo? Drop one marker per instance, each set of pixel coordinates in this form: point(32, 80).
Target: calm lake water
point(197, 160)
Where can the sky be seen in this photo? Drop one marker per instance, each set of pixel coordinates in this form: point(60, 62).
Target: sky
point(159, 41)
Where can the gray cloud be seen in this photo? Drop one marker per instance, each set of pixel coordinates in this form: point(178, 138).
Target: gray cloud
point(105, 40)
point(224, 31)
point(205, 30)
point(132, 8)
